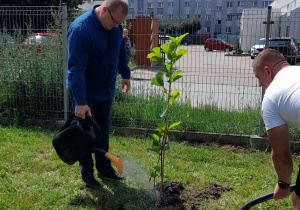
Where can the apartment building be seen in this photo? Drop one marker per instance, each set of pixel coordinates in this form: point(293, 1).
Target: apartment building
point(216, 16)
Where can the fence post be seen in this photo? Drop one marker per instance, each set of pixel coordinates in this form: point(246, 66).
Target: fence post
point(268, 26)
point(65, 57)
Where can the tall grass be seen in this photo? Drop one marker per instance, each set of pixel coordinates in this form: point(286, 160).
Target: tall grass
point(139, 111)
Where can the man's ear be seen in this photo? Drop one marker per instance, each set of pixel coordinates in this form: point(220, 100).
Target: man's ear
point(268, 70)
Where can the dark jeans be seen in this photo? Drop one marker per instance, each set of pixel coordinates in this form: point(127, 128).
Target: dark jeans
point(101, 113)
point(297, 188)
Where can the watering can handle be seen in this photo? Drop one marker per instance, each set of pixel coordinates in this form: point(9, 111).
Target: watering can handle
point(67, 124)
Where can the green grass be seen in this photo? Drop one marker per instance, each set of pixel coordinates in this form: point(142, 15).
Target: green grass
point(33, 177)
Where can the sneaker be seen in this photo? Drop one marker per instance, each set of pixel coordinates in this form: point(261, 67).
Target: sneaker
point(90, 181)
point(111, 174)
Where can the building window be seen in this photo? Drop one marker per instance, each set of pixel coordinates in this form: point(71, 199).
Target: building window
point(207, 17)
point(187, 4)
point(130, 5)
point(170, 4)
point(160, 4)
point(254, 3)
point(229, 4)
point(198, 4)
point(219, 8)
point(240, 3)
point(266, 3)
point(229, 18)
point(170, 16)
point(150, 5)
point(228, 29)
point(218, 22)
point(160, 17)
point(198, 16)
point(207, 5)
point(207, 29)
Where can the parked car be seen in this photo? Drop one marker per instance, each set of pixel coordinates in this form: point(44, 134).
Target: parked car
point(257, 47)
point(217, 44)
point(6, 41)
point(288, 46)
point(187, 40)
point(40, 40)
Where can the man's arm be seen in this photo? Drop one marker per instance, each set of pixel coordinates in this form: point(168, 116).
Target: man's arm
point(281, 157)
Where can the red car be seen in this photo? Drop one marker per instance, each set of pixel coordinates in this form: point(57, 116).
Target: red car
point(40, 40)
point(217, 44)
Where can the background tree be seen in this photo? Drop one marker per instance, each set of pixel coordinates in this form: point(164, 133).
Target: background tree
point(181, 26)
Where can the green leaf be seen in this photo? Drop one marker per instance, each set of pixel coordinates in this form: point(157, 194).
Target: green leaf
point(150, 55)
point(172, 38)
point(155, 148)
point(174, 95)
point(176, 78)
point(169, 74)
point(156, 51)
point(160, 60)
point(174, 125)
point(162, 125)
point(157, 168)
point(158, 80)
point(164, 70)
point(165, 48)
point(169, 66)
point(179, 39)
point(177, 72)
point(182, 52)
point(156, 137)
point(153, 174)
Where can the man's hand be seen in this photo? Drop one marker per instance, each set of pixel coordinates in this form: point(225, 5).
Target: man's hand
point(280, 193)
point(81, 110)
point(125, 85)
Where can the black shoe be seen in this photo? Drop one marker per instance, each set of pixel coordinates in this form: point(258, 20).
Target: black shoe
point(111, 174)
point(90, 181)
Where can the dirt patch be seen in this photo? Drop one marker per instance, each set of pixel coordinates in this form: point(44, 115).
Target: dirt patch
point(186, 198)
point(232, 148)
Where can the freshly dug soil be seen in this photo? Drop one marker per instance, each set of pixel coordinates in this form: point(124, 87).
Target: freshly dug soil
point(175, 194)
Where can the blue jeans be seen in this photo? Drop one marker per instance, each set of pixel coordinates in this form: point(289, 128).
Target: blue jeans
point(101, 113)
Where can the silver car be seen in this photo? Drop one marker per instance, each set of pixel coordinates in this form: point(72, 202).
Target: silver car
point(258, 47)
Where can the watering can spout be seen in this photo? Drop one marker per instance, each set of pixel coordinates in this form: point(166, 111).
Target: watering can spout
point(116, 161)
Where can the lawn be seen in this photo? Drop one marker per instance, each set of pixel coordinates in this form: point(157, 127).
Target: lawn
point(33, 177)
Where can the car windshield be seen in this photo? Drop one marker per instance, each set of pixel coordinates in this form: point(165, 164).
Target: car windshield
point(261, 42)
point(40, 39)
point(278, 42)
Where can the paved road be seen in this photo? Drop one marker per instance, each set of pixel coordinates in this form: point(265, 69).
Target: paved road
point(209, 78)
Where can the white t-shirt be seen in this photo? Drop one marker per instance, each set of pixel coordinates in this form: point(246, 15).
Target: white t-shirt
point(281, 103)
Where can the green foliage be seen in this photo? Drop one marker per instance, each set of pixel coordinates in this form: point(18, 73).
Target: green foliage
point(160, 143)
point(31, 81)
point(182, 25)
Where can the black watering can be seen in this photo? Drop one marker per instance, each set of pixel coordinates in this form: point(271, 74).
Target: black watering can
point(77, 139)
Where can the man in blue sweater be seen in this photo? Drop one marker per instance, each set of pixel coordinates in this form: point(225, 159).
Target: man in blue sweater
point(96, 55)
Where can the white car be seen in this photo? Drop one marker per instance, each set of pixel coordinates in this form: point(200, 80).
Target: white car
point(258, 47)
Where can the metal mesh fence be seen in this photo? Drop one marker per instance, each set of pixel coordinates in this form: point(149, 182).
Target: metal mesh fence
point(218, 90)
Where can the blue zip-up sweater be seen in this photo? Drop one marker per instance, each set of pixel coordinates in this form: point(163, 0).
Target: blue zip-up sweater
point(95, 56)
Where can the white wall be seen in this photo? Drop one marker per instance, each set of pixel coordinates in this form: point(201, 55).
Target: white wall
point(87, 5)
point(252, 27)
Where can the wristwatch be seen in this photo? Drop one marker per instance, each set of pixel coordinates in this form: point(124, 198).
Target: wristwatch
point(283, 185)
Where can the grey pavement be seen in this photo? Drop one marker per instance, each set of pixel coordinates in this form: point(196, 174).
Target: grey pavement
point(209, 78)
